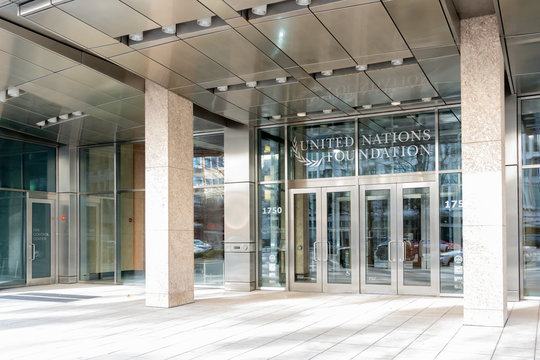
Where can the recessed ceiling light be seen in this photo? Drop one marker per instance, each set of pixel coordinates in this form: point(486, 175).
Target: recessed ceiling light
point(251, 84)
point(303, 2)
point(361, 67)
point(169, 29)
point(223, 88)
point(77, 113)
point(138, 36)
point(426, 99)
point(367, 106)
point(396, 103)
point(281, 80)
point(327, 72)
point(41, 123)
point(301, 114)
point(327, 111)
point(276, 117)
point(259, 10)
point(64, 116)
point(205, 22)
point(397, 62)
point(52, 120)
point(13, 92)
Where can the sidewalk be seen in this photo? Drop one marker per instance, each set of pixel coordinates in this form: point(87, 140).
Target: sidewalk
point(97, 321)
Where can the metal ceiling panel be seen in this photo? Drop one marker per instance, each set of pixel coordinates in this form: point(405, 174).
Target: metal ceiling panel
point(236, 114)
point(520, 16)
point(467, 8)
point(130, 134)
point(150, 69)
point(366, 32)
point(306, 105)
point(307, 42)
point(15, 71)
point(245, 98)
point(108, 51)
point(100, 82)
point(267, 110)
point(405, 82)
point(112, 17)
point(523, 54)
point(32, 52)
point(248, 4)
point(168, 12)
point(235, 53)
point(131, 109)
point(70, 28)
point(527, 83)
point(39, 105)
point(287, 92)
point(444, 74)
point(55, 96)
point(19, 115)
point(190, 63)
point(431, 31)
point(355, 89)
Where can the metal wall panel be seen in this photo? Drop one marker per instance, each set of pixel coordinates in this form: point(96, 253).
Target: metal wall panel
point(512, 232)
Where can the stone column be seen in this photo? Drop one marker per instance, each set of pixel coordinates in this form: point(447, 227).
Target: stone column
point(240, 212)
point(484, 233)
point(169, 197)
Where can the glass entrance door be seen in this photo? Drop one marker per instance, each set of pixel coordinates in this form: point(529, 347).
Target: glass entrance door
point(40, 242)
point(324, 240)
point(399, 239)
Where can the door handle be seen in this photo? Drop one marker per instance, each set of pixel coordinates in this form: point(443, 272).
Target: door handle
point(316, 250)
point(390, 258)
point(33, 251)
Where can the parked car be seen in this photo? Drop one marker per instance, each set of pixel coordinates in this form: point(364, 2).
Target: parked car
point(448, 257)
point(445, 246)
point(200, 246)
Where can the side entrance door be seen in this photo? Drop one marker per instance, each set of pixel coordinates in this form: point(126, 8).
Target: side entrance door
point(41, 240)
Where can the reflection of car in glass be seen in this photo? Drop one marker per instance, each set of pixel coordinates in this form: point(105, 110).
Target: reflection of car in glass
point(448, 257)
point(529, 253)
point(445, 246)
point(200, 246)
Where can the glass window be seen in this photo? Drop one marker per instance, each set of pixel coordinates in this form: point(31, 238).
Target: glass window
point(131, 167)
point(271, 154)
point(450, 139)
point(97, 169)
point(130, 230)
point(272, 246)
point(530, 131)
point(531, 232)
point(208, 201)
point(97, 244)
point(396, 144)
point(12, 238)
point(322, 150)
point(451, 233)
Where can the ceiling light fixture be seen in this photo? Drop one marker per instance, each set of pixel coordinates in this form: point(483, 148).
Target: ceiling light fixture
point(281, 80)
point(303, 2)
point(259, 10)
point(361, 67)
point(61, 119)
point(52, 120)
point(205, 22)
point(301, 114)
point(426, 99)
point(251, 84)
point(10, 93)
point(327, 72)
point(41, 123)
point(367, 106)
point(276, 117)
point(138, 36)
point(169, 29)
point(327, 111)
point(64, 116)
point(77, 113)
point(397, 62)
point(396, 103)
point(13, 92)
point(222, 88)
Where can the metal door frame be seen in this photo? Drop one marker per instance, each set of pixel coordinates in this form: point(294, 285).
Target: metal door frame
point(396, 237)
point(29, 247)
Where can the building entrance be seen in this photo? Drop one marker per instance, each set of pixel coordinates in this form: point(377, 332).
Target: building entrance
point(399, 239)
point(324, 239)
point(40, 237)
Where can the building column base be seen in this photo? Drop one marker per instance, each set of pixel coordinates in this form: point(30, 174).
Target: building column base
point(240, 286)
point(168, 300)
point(485, 317)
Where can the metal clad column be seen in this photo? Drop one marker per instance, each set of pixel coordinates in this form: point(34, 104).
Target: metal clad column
point(483, 141)
point(169, 197)
point(239, 209)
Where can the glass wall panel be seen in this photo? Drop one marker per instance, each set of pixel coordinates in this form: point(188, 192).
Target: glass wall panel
point(305, 237)
point(396, 144)
point(97, 169)
point(208, 171)
point(271, 154)
point(531, 232)
point(96, 238)
point(131, 166)
point(530, 131)
point(450, 139)
point(338, 234)
point(322, 150)
point(130, 237)
point(12, 238)
point(378, 235)
point(451, 233)
point(27, 166)
point(272, 237)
